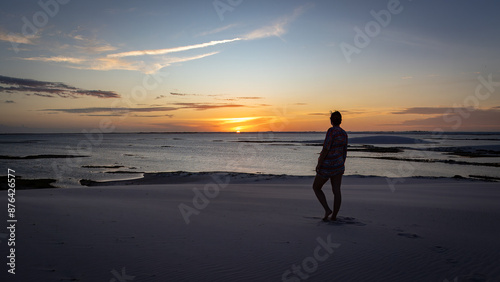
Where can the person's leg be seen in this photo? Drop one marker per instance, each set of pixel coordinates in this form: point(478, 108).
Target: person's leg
point(337, 196)
point(317, 185)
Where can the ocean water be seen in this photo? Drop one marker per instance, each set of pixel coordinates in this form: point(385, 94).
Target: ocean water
point(128, 155)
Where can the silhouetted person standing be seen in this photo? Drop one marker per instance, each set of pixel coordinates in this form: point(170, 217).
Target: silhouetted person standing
point(331, 165)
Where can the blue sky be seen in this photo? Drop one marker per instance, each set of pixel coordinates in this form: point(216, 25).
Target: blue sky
point(245, 63)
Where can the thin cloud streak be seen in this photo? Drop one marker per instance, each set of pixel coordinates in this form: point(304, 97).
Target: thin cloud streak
point(250, 98)
point(429, 110)
point(202, 107)
point(57, 59)
point(108, 109)
point(217, 30)
point(179, 106)
point(278, 28)
point(171, 50)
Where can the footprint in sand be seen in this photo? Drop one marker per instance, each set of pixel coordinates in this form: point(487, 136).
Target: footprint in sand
point(409, 235)
point(439, 249)
point(341, 220)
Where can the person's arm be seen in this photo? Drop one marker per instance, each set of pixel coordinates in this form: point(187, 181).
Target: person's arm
point(321, 158)
point(345, 147)
point(326, 148)
point(345, 152)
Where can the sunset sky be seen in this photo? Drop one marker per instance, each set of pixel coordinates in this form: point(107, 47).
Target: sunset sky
point(67, 66)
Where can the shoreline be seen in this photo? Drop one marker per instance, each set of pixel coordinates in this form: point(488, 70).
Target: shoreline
point(186, 177)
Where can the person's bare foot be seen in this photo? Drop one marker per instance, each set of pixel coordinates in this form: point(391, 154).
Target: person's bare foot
point(333, 217)
point(327, 214)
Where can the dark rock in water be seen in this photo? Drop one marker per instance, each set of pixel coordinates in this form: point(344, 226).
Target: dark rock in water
point(87, 182)
point(40, 157)
point(22, 184)
point(102, 166)
point(386, 140)
point(486, 178)
point(374, 149)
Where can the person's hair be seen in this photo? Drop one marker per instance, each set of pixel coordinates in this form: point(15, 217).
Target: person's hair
point(336, 118)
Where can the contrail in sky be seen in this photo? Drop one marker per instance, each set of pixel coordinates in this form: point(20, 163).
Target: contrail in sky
point(171, 50)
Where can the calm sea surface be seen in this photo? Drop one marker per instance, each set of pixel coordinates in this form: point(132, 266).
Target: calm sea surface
point(127, 155)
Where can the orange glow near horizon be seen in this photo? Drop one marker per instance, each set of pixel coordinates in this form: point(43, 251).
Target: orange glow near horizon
point(235, 120)
point(240, 124)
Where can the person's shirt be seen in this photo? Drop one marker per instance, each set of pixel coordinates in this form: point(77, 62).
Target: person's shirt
point(336, 145)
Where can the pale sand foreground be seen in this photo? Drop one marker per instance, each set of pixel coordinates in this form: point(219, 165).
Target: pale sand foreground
point(426, 230)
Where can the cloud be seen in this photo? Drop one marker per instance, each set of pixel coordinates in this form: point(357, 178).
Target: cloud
point(217, 30)
point(124, 110)
point(206, 106)
point(103, 115)
point(184, 94)
point(105, 63)
point(169, 61)
point(89, 44)
point(49, 89)
point(180, 94)
point(86, 49)
point(216, 95)
point(108, 109)
point(474, 120)
point(86, 63)
point(44, 95)
point(16, 38)
point(318, 114)
point(428, 110)
point(278, 28)
point(57, 59)
point(171, 50)
point(147, 116)
point(249, 98)
point(96, 49)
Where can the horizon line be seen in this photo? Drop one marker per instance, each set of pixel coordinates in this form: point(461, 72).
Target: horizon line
point(247, 132)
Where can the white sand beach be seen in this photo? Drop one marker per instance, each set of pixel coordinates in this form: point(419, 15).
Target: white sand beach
point(266, 230)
